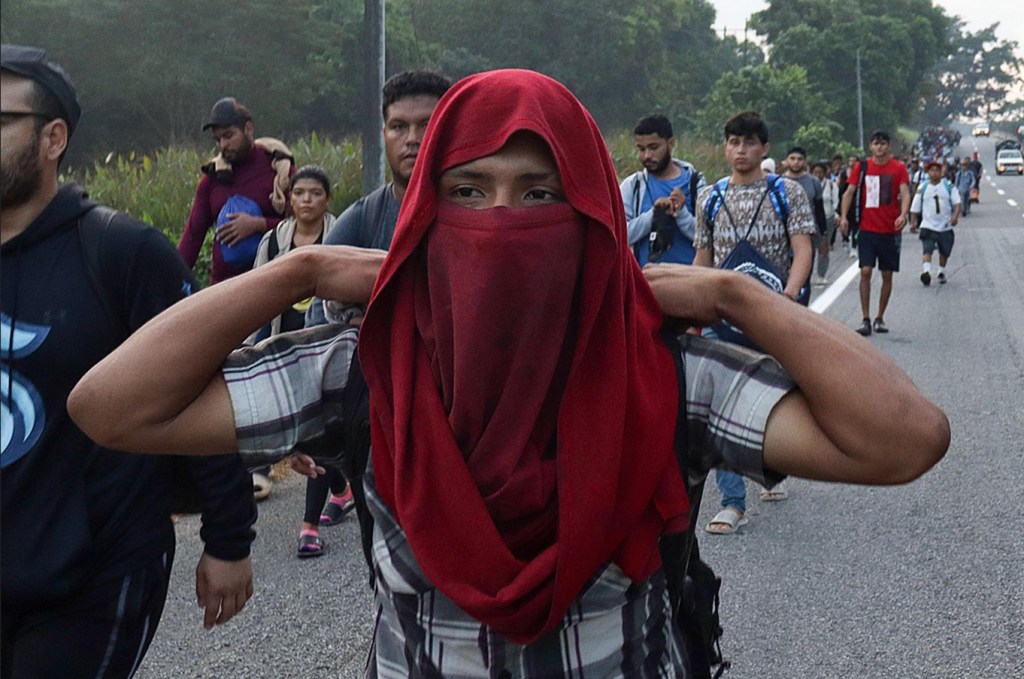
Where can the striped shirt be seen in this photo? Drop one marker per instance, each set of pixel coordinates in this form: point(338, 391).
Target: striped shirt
point(286, 394)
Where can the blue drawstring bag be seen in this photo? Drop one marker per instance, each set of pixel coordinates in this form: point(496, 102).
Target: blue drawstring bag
point(242, 254)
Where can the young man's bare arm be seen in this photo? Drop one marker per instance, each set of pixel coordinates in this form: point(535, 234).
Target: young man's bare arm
point(800, 271)
point(844, 209)
point(162, 390)
point(703, 257)
point(856, 416)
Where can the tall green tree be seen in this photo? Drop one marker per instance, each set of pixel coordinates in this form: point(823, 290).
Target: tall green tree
point(899, 41)
point(147, 71)
point(783, 97)
point(975, 79)
point(622, 59)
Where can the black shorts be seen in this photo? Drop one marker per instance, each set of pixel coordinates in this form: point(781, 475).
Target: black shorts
point(880, 248)
point(943, 240)
point(102, 631)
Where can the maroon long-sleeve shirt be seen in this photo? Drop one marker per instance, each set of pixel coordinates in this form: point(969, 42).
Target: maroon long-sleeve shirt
point(253, 178)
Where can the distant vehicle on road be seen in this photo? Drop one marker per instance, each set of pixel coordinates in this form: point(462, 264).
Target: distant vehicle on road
point(1007, 144)
point(1009, 161)
point(980, 130)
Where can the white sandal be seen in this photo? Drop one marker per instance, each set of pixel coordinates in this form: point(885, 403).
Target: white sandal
point(726, 522)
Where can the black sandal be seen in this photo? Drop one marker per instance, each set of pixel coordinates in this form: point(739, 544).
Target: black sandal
point(310, 546)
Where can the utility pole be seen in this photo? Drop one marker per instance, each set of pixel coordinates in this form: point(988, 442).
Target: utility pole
point(373, 80)
point(860, 104)
point(746, 46)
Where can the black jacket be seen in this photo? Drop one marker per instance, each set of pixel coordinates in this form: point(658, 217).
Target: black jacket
point(71, 510)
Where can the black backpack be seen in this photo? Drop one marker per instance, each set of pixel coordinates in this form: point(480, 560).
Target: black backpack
point(692, 585)
point(108, 275)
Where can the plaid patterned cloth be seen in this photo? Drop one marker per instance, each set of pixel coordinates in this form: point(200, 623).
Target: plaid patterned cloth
point(285, 394)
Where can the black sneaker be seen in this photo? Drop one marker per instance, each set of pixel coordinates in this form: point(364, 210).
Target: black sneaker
point(865, 327)
point(880, 326)
point(926, 278)
point(942, 279)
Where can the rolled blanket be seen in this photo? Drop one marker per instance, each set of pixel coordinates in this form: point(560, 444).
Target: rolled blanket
point(280, 159)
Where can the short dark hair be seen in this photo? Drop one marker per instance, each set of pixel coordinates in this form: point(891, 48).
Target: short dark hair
point(654, 124)
point(43, 102)
point(411, 84)
point(880, 134)
point(314, 172)
point(797, 150)
point(747, 124)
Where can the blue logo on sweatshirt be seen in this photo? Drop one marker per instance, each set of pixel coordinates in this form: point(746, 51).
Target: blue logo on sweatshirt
point(21, 408)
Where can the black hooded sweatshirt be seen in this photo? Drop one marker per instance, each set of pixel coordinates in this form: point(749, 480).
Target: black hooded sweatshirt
point(73, 512)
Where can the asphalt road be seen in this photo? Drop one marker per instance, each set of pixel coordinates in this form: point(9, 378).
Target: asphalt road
point(917, 581)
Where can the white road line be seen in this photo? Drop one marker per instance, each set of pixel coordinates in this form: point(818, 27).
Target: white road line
point(822, 302)
point(1001, 192)
point(1012, 202)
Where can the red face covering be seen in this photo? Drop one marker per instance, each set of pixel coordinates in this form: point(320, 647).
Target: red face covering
point(523, 406)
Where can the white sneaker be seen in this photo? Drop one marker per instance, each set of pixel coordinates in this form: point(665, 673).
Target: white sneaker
point(820, 280)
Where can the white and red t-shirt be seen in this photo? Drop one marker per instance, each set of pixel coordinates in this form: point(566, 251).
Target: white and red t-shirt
point(880, 199)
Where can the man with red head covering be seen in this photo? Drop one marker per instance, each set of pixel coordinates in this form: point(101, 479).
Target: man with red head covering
point(513, 352)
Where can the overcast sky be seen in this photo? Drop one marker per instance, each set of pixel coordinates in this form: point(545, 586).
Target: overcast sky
point(978, 14)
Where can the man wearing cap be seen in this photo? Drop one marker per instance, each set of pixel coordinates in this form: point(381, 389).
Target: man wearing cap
point(245, 167)
point(935, 210)
point(882, 201)
point(86, 533)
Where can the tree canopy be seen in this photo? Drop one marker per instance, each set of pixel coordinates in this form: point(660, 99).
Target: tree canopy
point(149, 70)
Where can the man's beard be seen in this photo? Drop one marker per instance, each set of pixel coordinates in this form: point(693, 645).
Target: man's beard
point(21, 177)
point(241, 153)
point(660, 167)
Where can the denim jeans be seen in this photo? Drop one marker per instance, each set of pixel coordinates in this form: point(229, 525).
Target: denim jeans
point(733, 489)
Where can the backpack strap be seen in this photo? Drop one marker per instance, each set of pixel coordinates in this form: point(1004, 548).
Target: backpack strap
point(636, 193)
point(692, 585)
point(779, 199)
point(273, 247)
point(714, 202)
point(695, 177)
point(355, 441)
point(107, 275)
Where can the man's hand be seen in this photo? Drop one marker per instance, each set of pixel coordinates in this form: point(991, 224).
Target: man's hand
point(667, 204)
point(305, 465)
point(844, 225)
point(240, 225)
point(901, 221)
point(687, 292)
point(222, 588)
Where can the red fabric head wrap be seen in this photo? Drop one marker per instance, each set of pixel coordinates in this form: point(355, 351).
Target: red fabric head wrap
point(520, 452)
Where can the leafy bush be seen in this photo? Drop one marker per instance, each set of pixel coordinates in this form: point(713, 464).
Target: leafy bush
point(158, 188)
